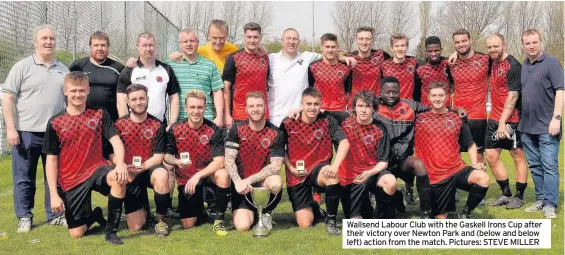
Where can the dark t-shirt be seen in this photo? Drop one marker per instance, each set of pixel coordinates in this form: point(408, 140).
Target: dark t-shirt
point(77, 140)
point(103, 80)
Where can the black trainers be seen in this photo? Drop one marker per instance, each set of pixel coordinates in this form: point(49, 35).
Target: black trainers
point(331, 226)
point(502, 200)
point(410, 198)
point(515, 203)
point(112, 238)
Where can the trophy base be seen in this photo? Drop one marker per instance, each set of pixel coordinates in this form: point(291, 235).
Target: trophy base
point(261, 232)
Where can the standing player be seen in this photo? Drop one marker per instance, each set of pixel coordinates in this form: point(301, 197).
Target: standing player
point(73, 144)
point(439, 136)
point(364, 168)
point(254, 156)
point(309, 141)
point(332, 78)
point(398, 115)
point(245, 71)
point(145, 143)
point(505, 87)
point(367, 72)
point(434, 68)
point(471, 76)
point(103, 74)
point(196, 148)
point(158, 77)
point(401, 67)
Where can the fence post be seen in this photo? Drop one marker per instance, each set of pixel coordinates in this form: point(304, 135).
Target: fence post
point(126, 29)
point(75, 30)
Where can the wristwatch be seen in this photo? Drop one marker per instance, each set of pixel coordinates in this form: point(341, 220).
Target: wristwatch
point(557, 116)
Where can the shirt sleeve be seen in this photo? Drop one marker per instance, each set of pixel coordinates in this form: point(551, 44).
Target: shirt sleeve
point(383, 146)
point(556, 75)
point(108, 129)
point(282, 127)
point(124, 80)
point(450, 80)
point(465, 136)
point(217, 143)
point(418, 107)
point(171, 142)
point(160, 142)
point(311, 79)
point(277, 148)
point(229, 70)
point(173, 84)
point(232, 142)
point(336, 132)
point(386, 56)
point(513, 78)
point(340, 116)
point(216, 79)
point(13, 81)
point(51, 144)
point(417, 87)
point(75, 66)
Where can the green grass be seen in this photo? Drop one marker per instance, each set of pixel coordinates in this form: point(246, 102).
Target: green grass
point(285, 238)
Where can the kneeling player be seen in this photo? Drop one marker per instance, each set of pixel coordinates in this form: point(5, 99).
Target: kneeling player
point(309, 153)
point(145, 144)
point(254, 156)
point(73, 144)
point(439, 135)
point(364, 167)
point(196, 148)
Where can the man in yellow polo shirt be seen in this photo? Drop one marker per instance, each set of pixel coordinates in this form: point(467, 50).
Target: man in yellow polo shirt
point(217, 48)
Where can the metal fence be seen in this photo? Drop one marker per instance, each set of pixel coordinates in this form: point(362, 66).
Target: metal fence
point(74, 22)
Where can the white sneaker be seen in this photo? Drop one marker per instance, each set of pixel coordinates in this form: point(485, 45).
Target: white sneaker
point(536, 207)
point(59, 221)
point(24, 225)
point(268, 221)
point(549, 212)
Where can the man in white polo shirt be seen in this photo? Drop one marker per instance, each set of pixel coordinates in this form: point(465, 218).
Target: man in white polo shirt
point(288, 75)
point(158, 77)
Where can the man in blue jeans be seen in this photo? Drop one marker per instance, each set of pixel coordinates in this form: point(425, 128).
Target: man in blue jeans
point(540, 124)
point(33, 92)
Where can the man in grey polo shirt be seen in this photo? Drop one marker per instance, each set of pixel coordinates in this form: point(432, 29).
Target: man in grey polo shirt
point(540, 123)
point(33, 92)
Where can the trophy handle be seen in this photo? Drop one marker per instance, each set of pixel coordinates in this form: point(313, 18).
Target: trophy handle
point(246, 198)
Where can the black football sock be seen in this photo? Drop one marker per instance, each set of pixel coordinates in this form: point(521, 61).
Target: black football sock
point(476, 195)
point(333, 193)
point(222, 200)
point(274, 200)
point(520, 187)
point(96, 216)
point(424, 189)
point(114, 214)
point(409, 180)
point(161, 203)
point(505, 187)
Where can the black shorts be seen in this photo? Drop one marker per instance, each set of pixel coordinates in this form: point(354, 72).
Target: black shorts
point(355, 196)
point(506, 144)
point(136, 191)
point(191, 206)
point(395, 167)
point(478, 130)
point(238, 201)
point(77, 201)
point(300, 196)
point(443, 193)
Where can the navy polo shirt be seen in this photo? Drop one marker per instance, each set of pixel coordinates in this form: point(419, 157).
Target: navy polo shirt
point(540, 80)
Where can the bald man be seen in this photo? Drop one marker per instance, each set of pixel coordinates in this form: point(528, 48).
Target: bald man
point(503, 120)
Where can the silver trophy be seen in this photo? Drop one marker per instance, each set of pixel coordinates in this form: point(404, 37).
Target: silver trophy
point(260, 199)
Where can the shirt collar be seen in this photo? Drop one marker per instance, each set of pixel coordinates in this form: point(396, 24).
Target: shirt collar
point(55, 62)
point(140, 64)
point(198, 59)
point(298, 54)
point(539, 59)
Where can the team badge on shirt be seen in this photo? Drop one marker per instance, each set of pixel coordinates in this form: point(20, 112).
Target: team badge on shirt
point(410, 69)
point(92, 124)
point(340, 74)
point(148, 133)
point(500, 72)
point(402, 110)
point(265, 143)
point(449, 124)
point(375, 61)
point(263, 62)
point(319, 133)
point(368, 139)
point(204, 139)
point(476, 65)
point(159, 78)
